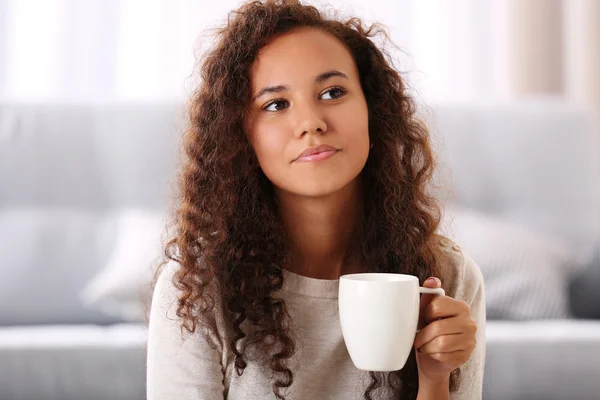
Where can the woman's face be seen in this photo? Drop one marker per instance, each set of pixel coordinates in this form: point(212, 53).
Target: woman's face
point(305, 93)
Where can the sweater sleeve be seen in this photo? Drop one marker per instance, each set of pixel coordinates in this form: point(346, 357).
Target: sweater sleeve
point(183, 367)
point(472, 290)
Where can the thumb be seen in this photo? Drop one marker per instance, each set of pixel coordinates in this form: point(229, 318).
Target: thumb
point(433, 283)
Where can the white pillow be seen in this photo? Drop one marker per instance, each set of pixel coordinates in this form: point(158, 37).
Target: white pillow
point(526, 273)
point(123, 288)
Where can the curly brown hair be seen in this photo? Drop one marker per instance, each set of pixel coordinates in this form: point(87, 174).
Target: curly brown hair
point(230, 242)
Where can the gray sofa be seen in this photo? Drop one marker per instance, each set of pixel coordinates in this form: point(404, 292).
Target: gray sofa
point(66, 170)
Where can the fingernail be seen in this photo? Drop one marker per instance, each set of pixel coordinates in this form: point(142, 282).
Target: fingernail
point(432, 280)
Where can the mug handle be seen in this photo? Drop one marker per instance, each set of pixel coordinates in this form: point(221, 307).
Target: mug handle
point(439, 291)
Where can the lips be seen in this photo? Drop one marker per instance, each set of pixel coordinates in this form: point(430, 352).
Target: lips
point(316, 153)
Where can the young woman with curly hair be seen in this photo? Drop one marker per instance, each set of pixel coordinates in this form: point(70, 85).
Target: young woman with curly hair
point(304, 161)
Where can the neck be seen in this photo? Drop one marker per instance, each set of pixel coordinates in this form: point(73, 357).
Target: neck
point(320, 230)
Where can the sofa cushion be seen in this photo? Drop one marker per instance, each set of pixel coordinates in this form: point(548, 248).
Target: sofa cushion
point(526, 273)
point(73, 362)
point(122, 288)
point(47, 256)
point(550, 360)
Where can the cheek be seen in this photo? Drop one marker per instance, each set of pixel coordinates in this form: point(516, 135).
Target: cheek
point(269, 146)
point(357, 128)
point(354, 125)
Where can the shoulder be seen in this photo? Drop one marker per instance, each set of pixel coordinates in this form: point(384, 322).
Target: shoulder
point(166, 294)
point(463, 276)
point(168, 286)
point(165, 291)
point(167, 298)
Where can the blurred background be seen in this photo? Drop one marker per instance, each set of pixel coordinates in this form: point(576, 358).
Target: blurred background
point(92, 100)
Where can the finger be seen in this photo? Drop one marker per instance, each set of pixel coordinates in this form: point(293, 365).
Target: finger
point(458, 357)
point(448, 326)
point(431, 282)
point(444, 307)
point(447, 344)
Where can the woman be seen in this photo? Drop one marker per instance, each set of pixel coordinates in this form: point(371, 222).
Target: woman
point(304, 162)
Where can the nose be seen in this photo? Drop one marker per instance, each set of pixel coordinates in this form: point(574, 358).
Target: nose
point(309, 120)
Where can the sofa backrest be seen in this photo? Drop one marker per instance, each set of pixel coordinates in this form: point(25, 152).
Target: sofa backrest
point(532, 162)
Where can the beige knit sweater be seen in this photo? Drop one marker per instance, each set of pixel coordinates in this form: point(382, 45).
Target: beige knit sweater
point(200, 366)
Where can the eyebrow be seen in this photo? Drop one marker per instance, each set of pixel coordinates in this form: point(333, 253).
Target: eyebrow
point(280, 88)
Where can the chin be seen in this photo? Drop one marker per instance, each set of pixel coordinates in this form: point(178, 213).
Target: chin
point(321, 188)
point(317, 192)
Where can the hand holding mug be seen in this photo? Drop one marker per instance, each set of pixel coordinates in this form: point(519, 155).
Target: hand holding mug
point(380, 315)
point(447, 335)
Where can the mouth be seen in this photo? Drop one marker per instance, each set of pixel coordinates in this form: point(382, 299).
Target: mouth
point(318, 156)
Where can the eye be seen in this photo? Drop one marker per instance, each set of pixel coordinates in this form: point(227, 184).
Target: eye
point(334, 93)
point(275, 105)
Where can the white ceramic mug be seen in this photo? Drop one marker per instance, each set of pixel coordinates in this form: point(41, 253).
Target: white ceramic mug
point(379, 314)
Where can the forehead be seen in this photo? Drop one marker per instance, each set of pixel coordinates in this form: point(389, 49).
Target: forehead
point(299, 55)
